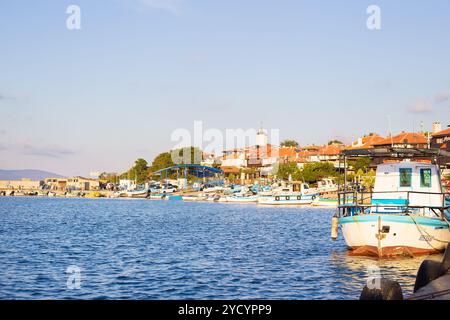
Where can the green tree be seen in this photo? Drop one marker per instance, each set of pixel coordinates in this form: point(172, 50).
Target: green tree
point(289, 143)
point(362, 163)
point(189, 155)
point(109, 177)
point(312, 172)
point(334, 142)
point(139, 171)
point(286, 169)
point(163, 160)
point(368, 180)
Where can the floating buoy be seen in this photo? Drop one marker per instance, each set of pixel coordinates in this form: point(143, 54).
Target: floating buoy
point(334, 228)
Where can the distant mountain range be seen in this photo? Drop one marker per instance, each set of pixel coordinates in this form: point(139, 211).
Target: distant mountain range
point(30, 174)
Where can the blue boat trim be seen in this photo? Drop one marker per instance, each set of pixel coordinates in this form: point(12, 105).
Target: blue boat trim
point(399, 202)
point(432, 222)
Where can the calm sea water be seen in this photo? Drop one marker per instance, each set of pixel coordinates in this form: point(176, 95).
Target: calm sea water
point(143, 249)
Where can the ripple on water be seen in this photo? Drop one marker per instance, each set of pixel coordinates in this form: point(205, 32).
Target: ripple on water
point(176, 250)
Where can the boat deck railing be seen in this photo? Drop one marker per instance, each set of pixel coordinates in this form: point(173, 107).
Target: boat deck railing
point(363, 202)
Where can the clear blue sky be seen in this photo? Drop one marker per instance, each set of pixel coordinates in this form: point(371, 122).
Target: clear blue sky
point(97, 98)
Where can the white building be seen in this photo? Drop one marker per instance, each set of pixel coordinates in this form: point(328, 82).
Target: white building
point(261, 138)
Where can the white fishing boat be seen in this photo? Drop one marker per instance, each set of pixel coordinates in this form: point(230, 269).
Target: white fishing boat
point(406, 214)
point(156, 196)
point(213, 197)
point(143, 193)
point(72, 195)
point(191, 198)
point(296, 193)
point(326, 185)
point(242, 198)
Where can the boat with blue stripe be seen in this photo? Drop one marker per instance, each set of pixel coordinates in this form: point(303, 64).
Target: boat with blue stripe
point(406, 213)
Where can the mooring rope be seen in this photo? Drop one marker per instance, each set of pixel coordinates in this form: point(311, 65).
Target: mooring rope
point(423, 231)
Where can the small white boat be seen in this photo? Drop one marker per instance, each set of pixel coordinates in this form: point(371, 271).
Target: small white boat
point(137, 193)
point(406, 214)
point(213, 197)
point(328, 201)
point(72, 195)
point(157, 196)
point(241, 198)
point(296, 193)
point(191, 198)
point(325, 202)
point(116, 194)
point(326, 185)
point(286, 199)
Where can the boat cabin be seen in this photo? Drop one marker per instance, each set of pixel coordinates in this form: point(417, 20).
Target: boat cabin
point(407, 183)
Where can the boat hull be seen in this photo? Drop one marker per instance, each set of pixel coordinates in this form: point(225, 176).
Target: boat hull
point(137, 194)
point(325, 203)
point(250, 199)
point(286, 200)
point(385, 235)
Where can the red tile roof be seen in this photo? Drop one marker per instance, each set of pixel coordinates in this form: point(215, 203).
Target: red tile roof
point(445, 132)
point(289, 152)
point(367, 142)
point(331, 149)
point(404, 138)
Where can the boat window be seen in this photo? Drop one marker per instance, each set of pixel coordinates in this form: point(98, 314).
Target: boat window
point(405, 177)
point(425, 178)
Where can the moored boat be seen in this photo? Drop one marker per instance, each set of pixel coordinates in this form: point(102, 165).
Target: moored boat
point(327, 201)
point(326, 185)
point(143, 193)
point(405, 214)
point(242, 198)
point(296, 193)
point(287, 199)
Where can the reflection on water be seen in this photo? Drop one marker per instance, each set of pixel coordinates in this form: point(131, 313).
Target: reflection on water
point(356, 270)
point(141, 249)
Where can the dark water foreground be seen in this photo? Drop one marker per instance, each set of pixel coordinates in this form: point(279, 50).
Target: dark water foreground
point(143, 249)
